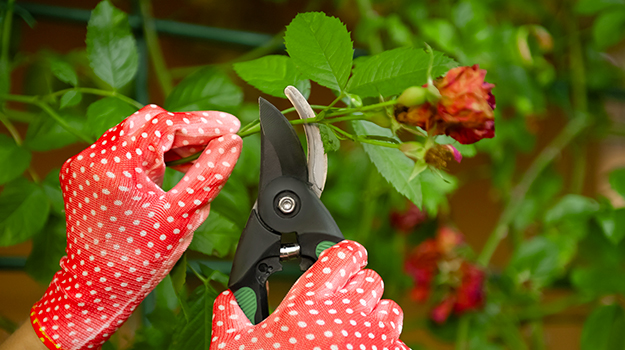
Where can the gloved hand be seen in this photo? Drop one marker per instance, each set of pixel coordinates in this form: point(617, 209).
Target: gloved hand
point(124, 232)
point(334, 305)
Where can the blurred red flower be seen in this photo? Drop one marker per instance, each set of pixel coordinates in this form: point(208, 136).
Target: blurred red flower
point(464, 111)
point(462, 282)
point(407, 220)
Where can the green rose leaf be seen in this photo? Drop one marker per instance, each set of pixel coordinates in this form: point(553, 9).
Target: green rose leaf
point(14, 160)
point(603, 329)
point(391, 72)
point(217, 236)
point(52, 188)
point(394, 166)
point(330, 142)
point(46, 134)
point(589, 7)
point(24, 210)
point(609, 28)
point(617, 181)
point(598, 280)
point(321, 48)
point(571, 205)
point(233, 202)
point(111, 48)
point(106, 113)
point(193, 332)
point(48, 248)
point(272, 74)
point(435, 190)
point(64, 72)
point(206, 89)
point(535, 260)
point(70, 98)
point(613, 224)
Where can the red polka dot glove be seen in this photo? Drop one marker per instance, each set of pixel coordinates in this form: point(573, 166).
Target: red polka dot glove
point(124, 232)
point(334, 305)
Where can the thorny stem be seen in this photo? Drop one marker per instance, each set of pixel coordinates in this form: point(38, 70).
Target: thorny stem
point(156, 54)
point(548, 154)
point(98, 92)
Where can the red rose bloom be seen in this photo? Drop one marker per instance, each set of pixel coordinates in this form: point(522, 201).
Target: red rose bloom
point(408, 220)
point(464, 111)
point(464, 282)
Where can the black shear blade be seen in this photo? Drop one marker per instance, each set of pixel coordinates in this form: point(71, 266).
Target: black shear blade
point(281, 150)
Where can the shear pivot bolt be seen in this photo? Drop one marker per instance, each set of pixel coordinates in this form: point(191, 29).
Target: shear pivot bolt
point(286, 205)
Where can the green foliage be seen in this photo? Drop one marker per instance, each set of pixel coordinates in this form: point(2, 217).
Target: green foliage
point(391, 72)
point(559, 238)
point(45, 133)
point(111, 48)
point(105, 113)
point(23, 211)
point(14, 160)
point(207, 89)
point(217, 236)
point(391, 163)
point(48, 249)
point(272, 74)
point(321, 49)
point(603, 330)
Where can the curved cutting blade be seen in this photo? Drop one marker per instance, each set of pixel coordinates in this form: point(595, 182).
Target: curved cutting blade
point(317, 158)
point(281, 150)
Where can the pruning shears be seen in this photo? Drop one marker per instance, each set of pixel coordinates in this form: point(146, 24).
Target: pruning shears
point(288, 202)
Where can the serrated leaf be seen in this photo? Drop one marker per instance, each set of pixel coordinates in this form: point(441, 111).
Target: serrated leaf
point(394, 166)
point(48, 248)
point(14, 160)
point(216, 236)
point(64, 72)
point(321, 48)
point(609, 28)
point(330, 142)
point(111, 48)
point(70, 99)
point(589, 7)
point(617, 181)
point(206, 89)
point(195, 333)
point(571, 205)
point(272, 74)
point(391, 72)
point(52, 188)
point(46, 134)
point(24, 210)
point(603, 329)
point(106, 113)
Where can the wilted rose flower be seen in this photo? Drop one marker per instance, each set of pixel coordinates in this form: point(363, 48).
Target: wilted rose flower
point(407, 220)
point(462, 281)
point(464, 111)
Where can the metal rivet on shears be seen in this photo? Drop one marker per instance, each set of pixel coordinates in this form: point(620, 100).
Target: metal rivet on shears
point(286, 204)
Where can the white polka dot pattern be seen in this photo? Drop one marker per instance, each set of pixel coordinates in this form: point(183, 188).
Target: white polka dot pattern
point(124, 232)
point(334, 305)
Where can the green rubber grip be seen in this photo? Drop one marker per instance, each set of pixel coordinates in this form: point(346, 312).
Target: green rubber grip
point(323, 246)
point(247, 301)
